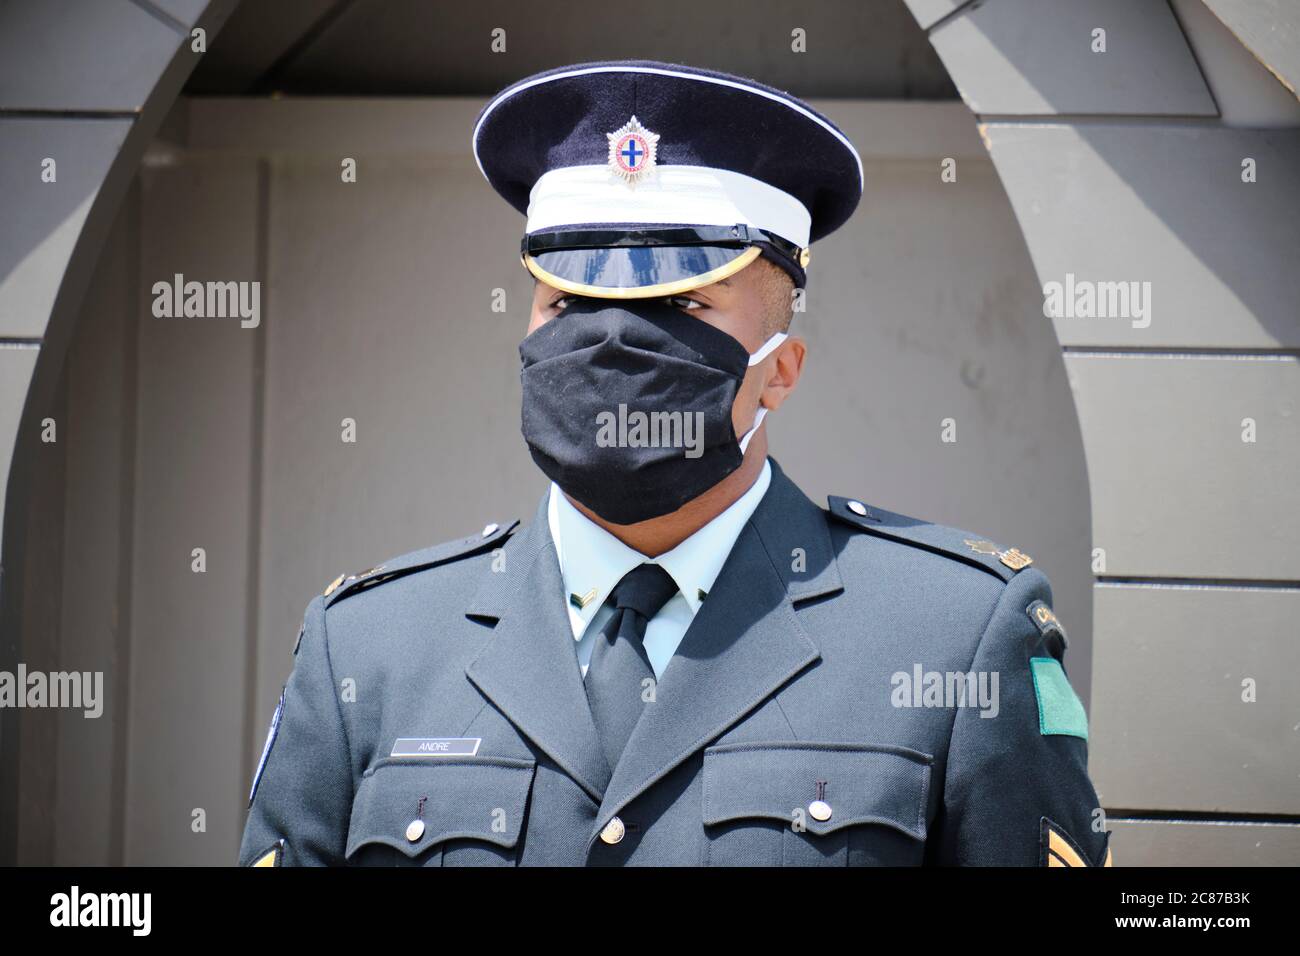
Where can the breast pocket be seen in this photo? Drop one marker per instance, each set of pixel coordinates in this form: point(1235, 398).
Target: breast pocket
point(440, 811)
point(808, 803)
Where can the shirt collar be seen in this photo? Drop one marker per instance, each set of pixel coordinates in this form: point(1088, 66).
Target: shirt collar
point(592, 560)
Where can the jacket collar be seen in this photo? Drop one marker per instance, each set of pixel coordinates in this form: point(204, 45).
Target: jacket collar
point(745, 642)
point(529, 666)
point(593, 561)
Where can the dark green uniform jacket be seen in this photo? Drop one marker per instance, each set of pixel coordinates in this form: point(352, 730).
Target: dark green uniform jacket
point(858, 688)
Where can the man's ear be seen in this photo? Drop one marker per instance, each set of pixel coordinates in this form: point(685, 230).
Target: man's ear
point(787, 366)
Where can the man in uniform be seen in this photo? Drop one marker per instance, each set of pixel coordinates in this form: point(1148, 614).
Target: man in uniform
point(682, 660)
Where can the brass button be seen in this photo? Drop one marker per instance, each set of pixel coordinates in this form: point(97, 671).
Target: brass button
point(858, 508)
point(819, 810)
point(415, 830)
point(614, 831)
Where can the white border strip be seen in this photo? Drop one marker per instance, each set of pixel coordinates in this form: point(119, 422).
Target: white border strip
point(717, 81)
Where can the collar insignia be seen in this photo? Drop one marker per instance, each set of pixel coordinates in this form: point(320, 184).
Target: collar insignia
point(1013, 558)
point(632, 151)
point(1016, 559)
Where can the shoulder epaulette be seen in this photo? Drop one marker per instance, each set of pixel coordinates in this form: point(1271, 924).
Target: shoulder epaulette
point(950, 542)
point(348, 584)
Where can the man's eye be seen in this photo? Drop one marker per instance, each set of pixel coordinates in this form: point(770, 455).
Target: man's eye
point(562, 302)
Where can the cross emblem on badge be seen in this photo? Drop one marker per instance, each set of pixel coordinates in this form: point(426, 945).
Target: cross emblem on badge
point(632, 151)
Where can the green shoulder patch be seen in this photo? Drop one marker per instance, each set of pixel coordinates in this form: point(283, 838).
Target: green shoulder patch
point(1059, 709)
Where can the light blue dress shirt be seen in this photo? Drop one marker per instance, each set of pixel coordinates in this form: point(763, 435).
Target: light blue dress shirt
point(592, 561)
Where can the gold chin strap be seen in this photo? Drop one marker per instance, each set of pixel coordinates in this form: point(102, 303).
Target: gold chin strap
point(644, 291)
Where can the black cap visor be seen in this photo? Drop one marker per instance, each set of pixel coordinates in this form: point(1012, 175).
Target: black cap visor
point(636, 262)
point(637, 272)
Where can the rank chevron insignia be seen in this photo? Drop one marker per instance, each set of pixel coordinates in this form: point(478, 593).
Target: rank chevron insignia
point(1058, 850)
point(633, 151)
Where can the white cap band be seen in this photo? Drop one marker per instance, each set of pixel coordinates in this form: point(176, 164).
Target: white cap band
point(681, 195)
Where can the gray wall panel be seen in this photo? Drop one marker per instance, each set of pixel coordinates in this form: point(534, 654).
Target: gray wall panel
point(42, 221)
point(81, 54)
point(1034, 57)
point(95, 620)
point(1170, 730)
point(1175, 490)
point(192, 488)
point(1218, 253)
point(1179, 843)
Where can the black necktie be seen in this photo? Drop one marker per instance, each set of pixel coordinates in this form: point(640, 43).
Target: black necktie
point(619, 665)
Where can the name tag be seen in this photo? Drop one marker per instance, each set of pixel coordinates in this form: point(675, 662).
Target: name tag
point(436, 747)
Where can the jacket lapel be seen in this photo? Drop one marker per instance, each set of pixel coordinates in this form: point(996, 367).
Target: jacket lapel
point(529, 667)
point(744, 643)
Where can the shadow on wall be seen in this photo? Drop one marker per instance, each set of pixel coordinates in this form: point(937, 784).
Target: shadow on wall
point(852, 50)
point(1194, 215)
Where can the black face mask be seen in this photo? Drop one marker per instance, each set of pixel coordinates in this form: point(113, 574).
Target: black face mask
point(627, 405)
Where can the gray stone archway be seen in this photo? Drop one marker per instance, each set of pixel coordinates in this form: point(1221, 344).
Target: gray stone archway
point(1127, 165)
point(84, 84)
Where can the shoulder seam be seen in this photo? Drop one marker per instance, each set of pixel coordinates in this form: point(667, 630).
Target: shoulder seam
point(338, 707)
point(872, 521)
point(975, 656)
point(435, 556)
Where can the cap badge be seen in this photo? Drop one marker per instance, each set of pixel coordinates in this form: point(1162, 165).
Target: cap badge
point(632, 150)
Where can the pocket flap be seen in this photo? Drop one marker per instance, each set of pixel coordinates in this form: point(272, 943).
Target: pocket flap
point(480, 798)
point(863, 784)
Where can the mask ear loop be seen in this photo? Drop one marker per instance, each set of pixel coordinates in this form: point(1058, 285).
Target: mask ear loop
point(764, 351)
point(758, 420)
point(768, 348)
